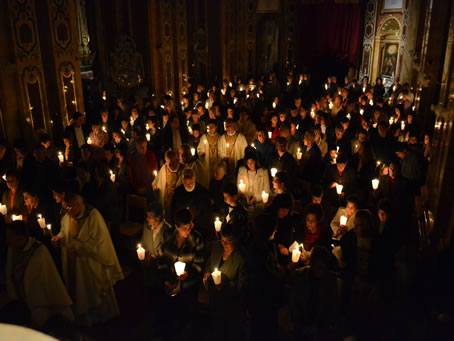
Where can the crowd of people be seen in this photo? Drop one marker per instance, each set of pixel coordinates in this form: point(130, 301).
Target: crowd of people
point(260, 195)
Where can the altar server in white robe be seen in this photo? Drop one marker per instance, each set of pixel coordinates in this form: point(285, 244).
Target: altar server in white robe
point(33, 279)
point(231, 146)
point(90, 264)
point(208, 148)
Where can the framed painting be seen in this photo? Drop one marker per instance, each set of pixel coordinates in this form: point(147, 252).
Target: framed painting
point(389, 59)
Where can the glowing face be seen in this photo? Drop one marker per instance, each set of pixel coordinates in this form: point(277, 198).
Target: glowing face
point(351, 209)
point(312, 222)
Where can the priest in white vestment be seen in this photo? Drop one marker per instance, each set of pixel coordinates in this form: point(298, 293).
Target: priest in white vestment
point(32, 277)
point(231, 146)
point(90, 263)
point(208, 148)
point(187, 160)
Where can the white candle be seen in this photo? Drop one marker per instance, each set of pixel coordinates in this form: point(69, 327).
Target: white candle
point(394, 88)
point(89, 141)
point(216, 274)
point(49, 228)
point(296, 253)
point(343, 220)
point(104, 96)
point(16, 217)
point(402, 125)
point(270, 134)
point(61, 158)
point(265, 197)
point(217, 224)
point(193, 151)
point(391, 121)
point(299, 155)
point(375, 183)
point(361, 112)
point(371, 102)
point(4, 177)
point(274, 105)
point(273, 172)
point(312, 113)
point(242, 186)
point(179, 268)
point(155, 172)
point(41, 221)
point(131, 121)
point(223, 92)
point(112, 176)
point(339, 188)
point(349, 116)
point(235, 100)
point(253, 145)
point(104, 128)
point(330, 105)
point(147, 126)
point(205, 141)
point(364, 89)
point(148, 136)
point(140, 252)
point(230, 84)
point(326, 86)
point(3, 209)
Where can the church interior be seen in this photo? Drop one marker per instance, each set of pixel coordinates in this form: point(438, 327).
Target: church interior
point(226, 169)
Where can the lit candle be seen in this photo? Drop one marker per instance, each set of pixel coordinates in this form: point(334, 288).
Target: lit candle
point(371, 102)
point(217, 224)
point(375, 183)
point(223, 92)
point(104, 96)
point(242, 186)
point(299, 155)
point(61, 158)
point(104, 128)
point(89, 141)
point(326, 86)
point(193, 151)
point(207, 105)
point(273, 172)
point(179, 268)
point(16, 217)
point(123, 131)
point(270, 134)
point(205, 141)
point(147, 126)
point(140, 252)
point(330, 105)
point(296, 253)
point(349, 116)
point(391, 121)
point(230, 84)
point(394, 88)
point(364, 89)
point(343, 220)
point(274, 105)
point(339, 188)
point(41, 221)
point(235, 100)
point(148, 136)
point(131, 121)
point(216, 274)
point(253, 145)
point(361, 112)
point(3, 209)
point(265, 197)
point(300, 81)
point(227, 145)
point(4, 177)
point(312, 113)
point(378, 163)
point(402, 125)
point(49, 228)
point(155, 172)
point(112, 176)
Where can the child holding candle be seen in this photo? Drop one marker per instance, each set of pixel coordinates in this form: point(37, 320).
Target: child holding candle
point(349, 212)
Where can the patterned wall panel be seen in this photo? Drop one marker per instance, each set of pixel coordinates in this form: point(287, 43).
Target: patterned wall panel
point(167, 46)
point(251, 35)
point(368, 38)
point(23, 19)
point(290, 34)
point(182, 47)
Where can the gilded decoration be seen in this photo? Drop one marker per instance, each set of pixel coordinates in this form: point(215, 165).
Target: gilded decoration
point(127, 64)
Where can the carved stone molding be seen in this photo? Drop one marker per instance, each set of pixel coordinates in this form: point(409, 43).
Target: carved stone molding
point(368, 41)
point(61, 27)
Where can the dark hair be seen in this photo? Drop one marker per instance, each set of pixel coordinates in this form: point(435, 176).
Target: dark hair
point(281, 177)
point(316, 190)
point(230, 189)
point(155, 208)
point(384, 205)
point(183, 217)
point(365, 217)
point(341, 158)
point(32, 190)
point(283, 200)
point(109, 147)
point(354, 199)
point(230, 231)
point(44, 138)
point(314, 209)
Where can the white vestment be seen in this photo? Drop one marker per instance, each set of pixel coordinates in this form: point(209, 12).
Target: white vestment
point(261, 182)
point(45, 293)
point(92, 272)
point(161, 181)
point(204, 148)
point(238, 149)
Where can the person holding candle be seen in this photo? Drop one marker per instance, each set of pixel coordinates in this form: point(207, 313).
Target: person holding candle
point(263, 146)
point(181, 244)
point(349, 212)
point(227, 298)
point(256, 180)
point(282, 160)
point(192, 195)
point(339, 173)
point(216, 187)
point(312, 233)
point(310, 164)
point(77, 130)
point(279, 182)
point(98, 137)
point(188, 161)
point(235, 213)
point(32, 278)
point(13, 197)
point(208, 148)
point(88, 253)
point(141, 166)
point(236, 144)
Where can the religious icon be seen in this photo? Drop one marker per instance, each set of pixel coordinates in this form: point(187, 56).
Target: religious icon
point(389, 61)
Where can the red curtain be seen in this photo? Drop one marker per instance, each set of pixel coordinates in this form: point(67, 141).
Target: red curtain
point(330, 30)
